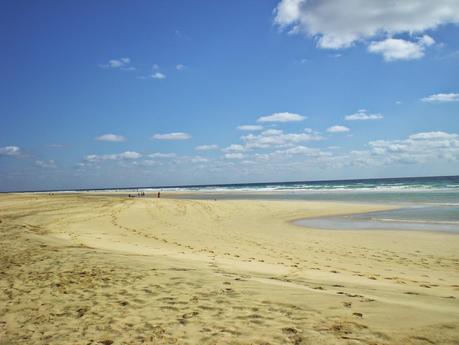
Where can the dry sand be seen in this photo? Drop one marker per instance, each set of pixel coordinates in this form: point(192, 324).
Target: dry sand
point(81, 269)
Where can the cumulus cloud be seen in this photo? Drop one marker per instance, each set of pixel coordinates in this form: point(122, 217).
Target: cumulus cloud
point(162, 155)
point(418, 148)
point(398, 49)
point(111, 138)
point(442, 98)
point(127, 155)
point(12, 151)
point(122, 63)
point(337, 129)
point(340, 23)
point(282, 152)
point(303, 150)
point(236, 155)
point(158, 75)
point(250, 128)
point(433, 136)
point(337, 24)
point(198, 159)
point(277, 138)
point(211, 147)
point(281, 117)
point(150, 163)
point(172, 136)
point(180, 67)
point(234, 148)
point(49, 164)
point(362, 115)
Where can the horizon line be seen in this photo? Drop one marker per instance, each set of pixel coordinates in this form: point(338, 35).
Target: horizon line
point(225, 184)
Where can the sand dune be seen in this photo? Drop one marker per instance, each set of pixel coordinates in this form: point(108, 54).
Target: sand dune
point(91, 269)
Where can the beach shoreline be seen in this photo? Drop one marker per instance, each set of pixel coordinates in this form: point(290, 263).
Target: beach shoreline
point(92, 267)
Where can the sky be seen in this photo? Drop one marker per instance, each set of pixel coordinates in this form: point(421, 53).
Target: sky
point(102, 94)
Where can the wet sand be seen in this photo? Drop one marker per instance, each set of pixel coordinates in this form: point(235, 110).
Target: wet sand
point(97, 269)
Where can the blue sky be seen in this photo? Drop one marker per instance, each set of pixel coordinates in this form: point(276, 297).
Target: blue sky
point(147, 93)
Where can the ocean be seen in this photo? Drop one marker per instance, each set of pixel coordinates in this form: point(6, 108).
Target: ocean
point(435, 190)
point(423, 203)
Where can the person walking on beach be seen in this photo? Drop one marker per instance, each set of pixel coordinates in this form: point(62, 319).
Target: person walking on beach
point(159, 195)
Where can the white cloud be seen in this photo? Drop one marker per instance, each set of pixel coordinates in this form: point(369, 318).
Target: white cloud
point(276, 137)
point(234, 148)
point(180, 67)
point(158, 75)
point(162, 155)
point(398, 49)
point(433, 135)
point(122, 63)
point(426, 40)
point(172, 136)
point(363, 115)
point(285, 155)
point(272, 132)
point(250, 128)
point(417, 148)
point(442, 97)
point(49, 164)
point(234, 155)
point(111, 138)
point(337, 129)
point(340, 23)
point(303, 150)
point(127, 155)
point(199, 159)
point(281, 117)
point(12, 151)
point(206, 147)
point(149, 163)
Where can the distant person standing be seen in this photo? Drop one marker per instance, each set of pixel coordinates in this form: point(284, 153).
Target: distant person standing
point(159, 195)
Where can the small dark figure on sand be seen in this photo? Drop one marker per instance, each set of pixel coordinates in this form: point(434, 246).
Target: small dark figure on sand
point(159, 195)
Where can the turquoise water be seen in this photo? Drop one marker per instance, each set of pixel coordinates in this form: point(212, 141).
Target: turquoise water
point(425, 203)
point(436, 190)
point(419, 217)
point(411, 190)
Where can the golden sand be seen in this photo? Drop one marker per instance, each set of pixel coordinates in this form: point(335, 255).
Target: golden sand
point(91, 269)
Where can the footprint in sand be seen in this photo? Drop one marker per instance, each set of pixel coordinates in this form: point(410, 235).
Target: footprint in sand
point(106, 342)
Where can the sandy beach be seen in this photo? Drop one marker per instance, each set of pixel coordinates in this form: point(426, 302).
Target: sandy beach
point(101, 269)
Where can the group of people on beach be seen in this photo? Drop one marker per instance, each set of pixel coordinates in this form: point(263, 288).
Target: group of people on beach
point(141, 194)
